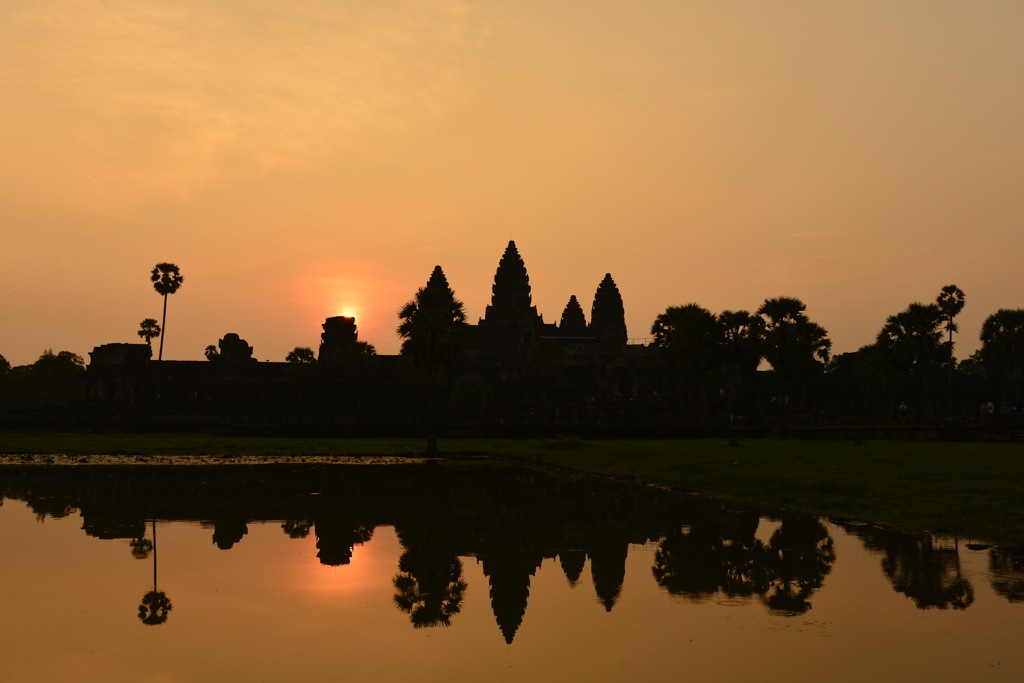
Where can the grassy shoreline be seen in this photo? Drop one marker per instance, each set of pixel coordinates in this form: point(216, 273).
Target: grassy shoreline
point(969, 490)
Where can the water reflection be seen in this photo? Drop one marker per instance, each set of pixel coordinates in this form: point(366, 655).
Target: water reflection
point(720, 555)
point(1008, 575)
point(155, 606)
point(510, 520)
point(924, 569)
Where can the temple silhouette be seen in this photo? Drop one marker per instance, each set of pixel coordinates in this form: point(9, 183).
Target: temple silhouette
point(514, 369)
point(514, 374)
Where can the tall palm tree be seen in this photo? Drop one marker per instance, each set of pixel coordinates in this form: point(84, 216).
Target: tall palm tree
point(431, 331)
point(950, 301)
point(167, 279)
point(155, 606)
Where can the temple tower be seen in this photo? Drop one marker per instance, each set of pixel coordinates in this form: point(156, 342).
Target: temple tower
point(511, 323)
point(608, 317)
point(573, 323)
point(339, 333)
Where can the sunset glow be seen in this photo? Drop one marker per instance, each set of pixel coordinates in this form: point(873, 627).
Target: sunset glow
point(301, 161)
point(368, 568)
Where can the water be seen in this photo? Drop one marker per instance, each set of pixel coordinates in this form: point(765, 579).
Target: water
point(351, 573)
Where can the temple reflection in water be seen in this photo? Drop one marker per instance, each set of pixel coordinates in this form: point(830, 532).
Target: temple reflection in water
point(509, 520)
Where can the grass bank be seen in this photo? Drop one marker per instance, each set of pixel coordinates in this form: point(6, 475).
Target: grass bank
point(971, 490)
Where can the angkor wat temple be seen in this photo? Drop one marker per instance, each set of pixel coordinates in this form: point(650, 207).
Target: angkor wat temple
point(514, 368)
point(515, 373)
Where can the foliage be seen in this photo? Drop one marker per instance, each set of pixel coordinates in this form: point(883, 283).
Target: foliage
point(689, 338)
point(149, 329)
point(1002, 351)
point(154, 608)
point(796, 347)
point(432, 327)
point(166, 279)
point(301, 355)
point(48, 382)
point(912, 342)
point(950, 301)
point(211, 352)
point(793, 344)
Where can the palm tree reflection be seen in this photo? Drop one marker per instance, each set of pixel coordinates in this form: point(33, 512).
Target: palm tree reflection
point(155, 605)
point(429, 587)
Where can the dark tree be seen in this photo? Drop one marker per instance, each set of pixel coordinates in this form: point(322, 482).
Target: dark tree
point(741, 336)
point(1002, 351)
point(167, 279)
point(301, 355)
point(432, 331)
point(689, 337)
point(149, 329)
point(211, 352)
point(155, 606)
point(50, 380)
point(796, 347)
point(912, 341)
point(950, 301)
point(429, 587)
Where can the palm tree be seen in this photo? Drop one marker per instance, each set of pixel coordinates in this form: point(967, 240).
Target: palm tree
point(912, 340)
point(166, 279)
point(793, 344)
point(742, 340)
point(429, 587)
point(149, 330)
point(950, 301)
point(155, 606)
point(431, 330)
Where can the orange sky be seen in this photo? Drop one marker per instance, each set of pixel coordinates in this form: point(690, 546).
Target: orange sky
point(299, 160)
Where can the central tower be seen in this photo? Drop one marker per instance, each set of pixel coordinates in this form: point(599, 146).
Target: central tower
point(511, 322)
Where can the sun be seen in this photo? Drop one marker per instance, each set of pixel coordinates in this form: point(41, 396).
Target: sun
point(347, 310)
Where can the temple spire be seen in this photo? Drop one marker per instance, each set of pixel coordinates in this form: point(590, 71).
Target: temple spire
point(438, 280)
point(608, 317)
point(573, 323)
point(510, 294)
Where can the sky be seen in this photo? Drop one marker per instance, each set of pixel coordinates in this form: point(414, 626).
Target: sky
point(316, 158)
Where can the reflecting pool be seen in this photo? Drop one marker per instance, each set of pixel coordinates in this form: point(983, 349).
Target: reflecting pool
point(472, 572)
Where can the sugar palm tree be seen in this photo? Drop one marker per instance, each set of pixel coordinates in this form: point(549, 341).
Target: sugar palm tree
point(912, 339)
point(155, 606)
point(950, 301)
point(793, 344)
point(167, 279)
point(431, 330)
